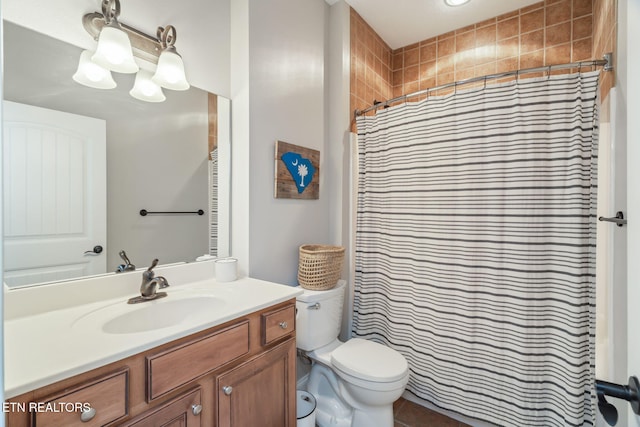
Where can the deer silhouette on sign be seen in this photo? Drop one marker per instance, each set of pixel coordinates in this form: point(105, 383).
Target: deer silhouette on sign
point(301, 169)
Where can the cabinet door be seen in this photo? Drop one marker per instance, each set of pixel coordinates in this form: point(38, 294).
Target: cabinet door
point(261, 391)
point(183, 411)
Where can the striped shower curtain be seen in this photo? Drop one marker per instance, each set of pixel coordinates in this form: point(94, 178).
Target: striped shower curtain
point(475, 247)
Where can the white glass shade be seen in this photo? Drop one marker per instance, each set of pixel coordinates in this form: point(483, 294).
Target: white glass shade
point(145, 89)
point(91, 74)
point(170, 71)
point(455, 2)
point(114, 51)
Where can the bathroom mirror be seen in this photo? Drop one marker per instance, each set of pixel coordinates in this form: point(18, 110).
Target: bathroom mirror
point(156, 157)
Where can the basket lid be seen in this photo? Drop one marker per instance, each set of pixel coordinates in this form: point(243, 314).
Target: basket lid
point(369, 361)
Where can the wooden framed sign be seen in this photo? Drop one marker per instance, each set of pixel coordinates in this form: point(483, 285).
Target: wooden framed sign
point(297, 172)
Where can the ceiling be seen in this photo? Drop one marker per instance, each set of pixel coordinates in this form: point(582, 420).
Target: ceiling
point(404, 22)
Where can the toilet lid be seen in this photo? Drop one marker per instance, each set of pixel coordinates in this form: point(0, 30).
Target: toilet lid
point(369, 361)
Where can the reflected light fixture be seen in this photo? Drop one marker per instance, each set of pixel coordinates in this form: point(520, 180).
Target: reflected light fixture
point(117, 45)
point(146, 89)
point(455, 2)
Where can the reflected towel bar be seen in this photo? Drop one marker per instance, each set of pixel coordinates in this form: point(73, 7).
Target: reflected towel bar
point(618, 219)
point(144, 212)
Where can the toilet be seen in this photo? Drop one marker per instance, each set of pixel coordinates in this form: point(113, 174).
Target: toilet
point(356, 382)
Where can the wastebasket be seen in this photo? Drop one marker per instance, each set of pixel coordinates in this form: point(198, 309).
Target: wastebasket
point(306, 411)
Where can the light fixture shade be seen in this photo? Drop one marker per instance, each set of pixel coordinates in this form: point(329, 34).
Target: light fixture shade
point(455, 2)
point(145, 89)
point(170, 72)
point(114, 51)
point(91, 74)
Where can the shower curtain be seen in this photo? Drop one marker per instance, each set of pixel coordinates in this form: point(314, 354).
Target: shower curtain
point(213, 203)
point(475, 247)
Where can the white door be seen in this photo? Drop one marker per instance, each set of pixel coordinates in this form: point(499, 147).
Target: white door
point(54, 185)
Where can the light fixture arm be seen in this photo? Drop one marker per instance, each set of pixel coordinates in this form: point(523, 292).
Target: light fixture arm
point(167, 36)
point(110, 10)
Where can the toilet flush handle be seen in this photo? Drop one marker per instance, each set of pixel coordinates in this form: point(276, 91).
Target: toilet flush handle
point(315, 306)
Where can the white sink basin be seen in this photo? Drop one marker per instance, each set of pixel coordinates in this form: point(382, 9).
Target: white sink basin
point(171, 311)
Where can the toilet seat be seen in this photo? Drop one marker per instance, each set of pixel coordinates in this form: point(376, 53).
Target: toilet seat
point(368, 361)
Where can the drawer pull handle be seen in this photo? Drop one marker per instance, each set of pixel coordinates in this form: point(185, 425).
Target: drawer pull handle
point(283, 325)
point(227, 390)
point(196, 409)
point(87, 415)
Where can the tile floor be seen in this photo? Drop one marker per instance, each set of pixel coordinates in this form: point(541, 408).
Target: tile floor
point(409, 414)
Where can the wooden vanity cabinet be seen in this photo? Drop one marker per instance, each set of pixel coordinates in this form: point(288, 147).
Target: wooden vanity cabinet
point(258, 392)
point(238, 374)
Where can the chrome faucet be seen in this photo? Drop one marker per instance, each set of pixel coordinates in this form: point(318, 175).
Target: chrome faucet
point(127, 266)
point(150, 284)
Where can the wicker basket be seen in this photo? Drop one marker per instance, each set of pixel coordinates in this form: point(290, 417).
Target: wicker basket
point(320, 266)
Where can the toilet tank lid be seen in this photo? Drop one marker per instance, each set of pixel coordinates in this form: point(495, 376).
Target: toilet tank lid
point(315, 296)
point(369, 361)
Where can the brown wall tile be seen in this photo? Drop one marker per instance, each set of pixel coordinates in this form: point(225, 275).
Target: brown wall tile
point(582, 8)
point(428, 52)
point(532, 21)
point(581, 50)
point(508, 28)
point(558, 34)
point(558, 12)
point(582, 27)
point(446, 46)
point(411, 57)
point(466, 41)
point(531, 41)
point(558, 54)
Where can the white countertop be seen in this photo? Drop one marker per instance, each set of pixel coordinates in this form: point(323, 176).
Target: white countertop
point(47, 346)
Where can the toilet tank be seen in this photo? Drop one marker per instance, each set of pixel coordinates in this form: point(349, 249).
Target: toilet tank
point(319, 316)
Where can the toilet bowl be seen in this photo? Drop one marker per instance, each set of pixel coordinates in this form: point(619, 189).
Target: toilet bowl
point(355, 382)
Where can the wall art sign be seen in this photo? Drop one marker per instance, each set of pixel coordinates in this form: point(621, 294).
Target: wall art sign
point(297, 172)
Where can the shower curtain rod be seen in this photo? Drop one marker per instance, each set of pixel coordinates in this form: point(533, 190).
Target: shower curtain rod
point(607, 63)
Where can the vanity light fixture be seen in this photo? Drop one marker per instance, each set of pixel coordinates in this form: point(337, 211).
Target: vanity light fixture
point(118, 43)
point(455, 2)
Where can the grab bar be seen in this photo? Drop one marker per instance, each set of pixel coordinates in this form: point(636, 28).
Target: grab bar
point(144, 212)
point(618, 219)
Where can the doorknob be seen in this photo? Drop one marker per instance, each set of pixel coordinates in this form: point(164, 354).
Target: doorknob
point(95, 251)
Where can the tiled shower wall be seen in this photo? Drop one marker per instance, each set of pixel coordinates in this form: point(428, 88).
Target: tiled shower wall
point(545, 33)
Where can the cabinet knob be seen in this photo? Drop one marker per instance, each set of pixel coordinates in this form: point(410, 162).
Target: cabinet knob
point(196, 409)
point(227, 390)
point(87, 415)
point(283, 325)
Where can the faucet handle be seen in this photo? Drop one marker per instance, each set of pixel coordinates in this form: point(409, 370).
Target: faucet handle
point(153, 264)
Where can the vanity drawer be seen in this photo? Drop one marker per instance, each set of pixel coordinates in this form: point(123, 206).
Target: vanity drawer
point(179, 365)
point(107, 396)
point(278, 323)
